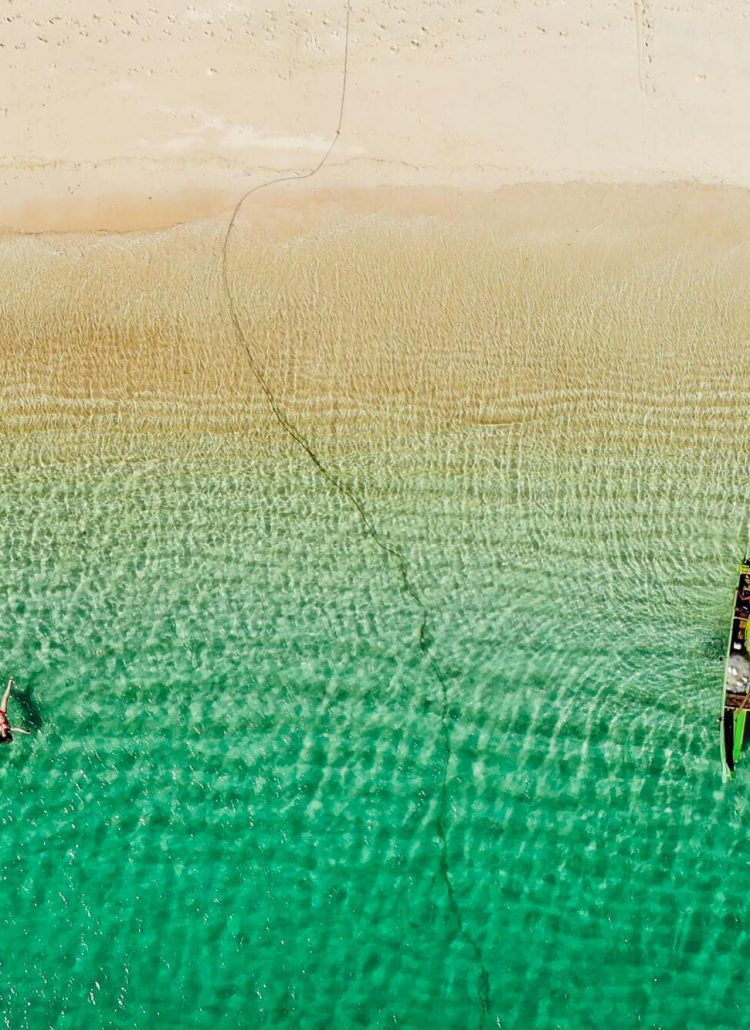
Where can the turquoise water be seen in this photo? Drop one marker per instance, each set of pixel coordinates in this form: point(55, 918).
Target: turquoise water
point(230, 811)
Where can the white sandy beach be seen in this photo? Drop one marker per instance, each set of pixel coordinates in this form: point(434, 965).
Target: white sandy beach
point(136, 114)
point(533, 208)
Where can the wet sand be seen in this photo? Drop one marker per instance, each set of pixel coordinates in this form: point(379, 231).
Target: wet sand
point(609, 308)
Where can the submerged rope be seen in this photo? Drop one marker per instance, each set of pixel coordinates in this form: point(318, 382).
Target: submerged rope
point(425, 636)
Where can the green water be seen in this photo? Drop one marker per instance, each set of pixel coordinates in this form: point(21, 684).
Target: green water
point(229, 812)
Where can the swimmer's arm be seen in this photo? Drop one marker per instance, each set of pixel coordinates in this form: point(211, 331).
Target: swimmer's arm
point(17, 729)
point(6, 695)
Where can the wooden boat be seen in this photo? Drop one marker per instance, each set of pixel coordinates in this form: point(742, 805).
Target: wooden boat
point(737, 676)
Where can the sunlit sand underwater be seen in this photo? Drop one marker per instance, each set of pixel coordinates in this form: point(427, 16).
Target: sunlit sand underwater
point(231, 812)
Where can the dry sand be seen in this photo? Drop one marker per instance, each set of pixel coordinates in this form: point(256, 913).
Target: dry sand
point(137, 114)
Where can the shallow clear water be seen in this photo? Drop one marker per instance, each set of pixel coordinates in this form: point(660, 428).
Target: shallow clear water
point(229, 812)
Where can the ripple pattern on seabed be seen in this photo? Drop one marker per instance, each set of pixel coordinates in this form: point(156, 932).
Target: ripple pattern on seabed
point(228, 814)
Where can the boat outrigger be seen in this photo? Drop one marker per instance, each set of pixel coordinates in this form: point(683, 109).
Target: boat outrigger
point(737, 676)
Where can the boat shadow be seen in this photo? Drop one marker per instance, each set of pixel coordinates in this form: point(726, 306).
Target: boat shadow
point(715, 648)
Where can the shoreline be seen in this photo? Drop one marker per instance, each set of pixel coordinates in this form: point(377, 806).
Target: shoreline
point(297, 200)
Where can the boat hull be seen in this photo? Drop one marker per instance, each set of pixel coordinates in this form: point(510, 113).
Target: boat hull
point(736, 701)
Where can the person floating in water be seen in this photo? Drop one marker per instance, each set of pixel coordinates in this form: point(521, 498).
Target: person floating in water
point(6, 730)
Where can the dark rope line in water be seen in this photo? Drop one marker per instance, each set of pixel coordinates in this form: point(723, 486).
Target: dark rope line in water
point(425, 636)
